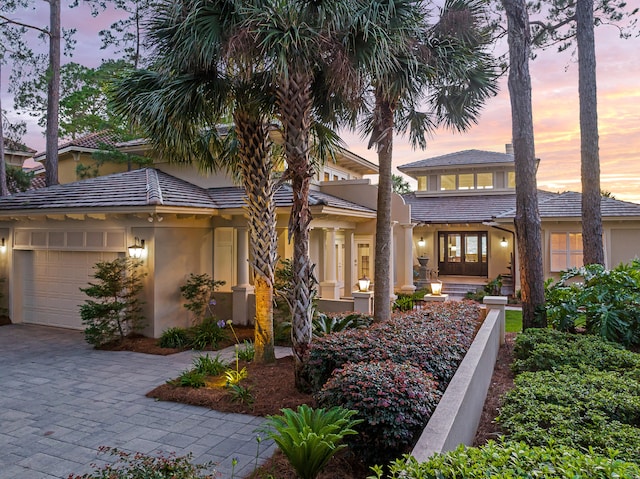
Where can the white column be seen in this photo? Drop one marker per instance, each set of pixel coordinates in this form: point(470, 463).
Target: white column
point(350, 261)
point(407, 259)
point(243, 289)
point(392, 263)
point(329, 288)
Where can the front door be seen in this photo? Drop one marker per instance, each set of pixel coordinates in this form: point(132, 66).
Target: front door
point(462, 253)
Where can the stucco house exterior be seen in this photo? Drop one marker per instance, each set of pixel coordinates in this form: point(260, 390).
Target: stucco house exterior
point(460, 218)
point(190, 223)
point(464, 210)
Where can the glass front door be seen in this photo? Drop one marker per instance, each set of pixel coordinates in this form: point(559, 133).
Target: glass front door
point(462, 253)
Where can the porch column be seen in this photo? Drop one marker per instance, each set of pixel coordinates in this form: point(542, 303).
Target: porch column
point(329, 288)
point(243, 289)
point(407, 260)
point(350, 261)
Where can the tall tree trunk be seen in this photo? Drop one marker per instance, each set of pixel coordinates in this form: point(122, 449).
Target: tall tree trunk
point(295, 102)
point(384, 141)
point(527, 221)
point(4, 191)
point(592, 245)
point(53, 95)
point(256, 166)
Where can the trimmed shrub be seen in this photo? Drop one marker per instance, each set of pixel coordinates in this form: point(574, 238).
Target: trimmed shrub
point(395, 401)
point(434, 339)
point(174, 338)
point(589, 410)
point(548, 349)
point(511, 460)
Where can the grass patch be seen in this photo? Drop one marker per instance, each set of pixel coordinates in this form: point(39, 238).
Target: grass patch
point(513, 320)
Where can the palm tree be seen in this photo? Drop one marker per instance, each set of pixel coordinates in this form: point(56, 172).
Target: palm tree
point(442, 67)
point(195, 81)
point(309, 70)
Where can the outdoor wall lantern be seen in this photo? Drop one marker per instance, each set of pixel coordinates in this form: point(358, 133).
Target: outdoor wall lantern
point(503, 242)
point(3, 246)
point(436, 288)
point(421, 242)
point(136, 250)
point(363, 284)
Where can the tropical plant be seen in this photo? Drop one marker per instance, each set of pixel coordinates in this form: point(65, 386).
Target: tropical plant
point(246, 351)
point(324, 324)
point(198, 291)
point(241, 394)
point(115, 312)
point(190, 378)
point(607, 302)
point(310, 437)
point(208, 334)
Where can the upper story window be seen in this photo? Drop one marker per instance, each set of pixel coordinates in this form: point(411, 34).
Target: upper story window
point(466, 181)
point(422, 183)
point(511, 179)
point(566, 251)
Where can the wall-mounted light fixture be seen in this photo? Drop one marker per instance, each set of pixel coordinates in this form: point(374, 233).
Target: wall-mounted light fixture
point(3, 246)
point(363, 284)
point(421, 242)
point(503, 242)
point(136, 250)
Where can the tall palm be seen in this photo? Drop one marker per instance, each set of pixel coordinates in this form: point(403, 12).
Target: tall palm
point(301, 42)
point(179, 104)
point(441, 67)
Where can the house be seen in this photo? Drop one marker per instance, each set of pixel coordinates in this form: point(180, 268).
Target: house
point(189, 223)
point(464, 210)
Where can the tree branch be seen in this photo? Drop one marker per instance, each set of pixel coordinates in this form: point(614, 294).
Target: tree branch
point(25, 25)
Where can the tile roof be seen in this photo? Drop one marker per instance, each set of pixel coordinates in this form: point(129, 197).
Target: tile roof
point(91, 141)
point(476, 209)
point(460, 158)
point(150, 187)
point(569, 205)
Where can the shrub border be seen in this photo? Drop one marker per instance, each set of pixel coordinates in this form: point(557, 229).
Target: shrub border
point(457, 415)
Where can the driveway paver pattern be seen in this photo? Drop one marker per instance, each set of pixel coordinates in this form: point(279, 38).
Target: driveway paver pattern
point(60, 400)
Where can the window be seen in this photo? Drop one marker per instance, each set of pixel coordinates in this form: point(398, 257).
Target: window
point(422, 183)
point(484, 181)
point(511, 179)
point(447, 182)
point(327, 176)
point(466, 181)
point(566, 251)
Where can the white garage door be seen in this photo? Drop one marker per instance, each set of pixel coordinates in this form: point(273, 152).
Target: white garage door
point(52, 281)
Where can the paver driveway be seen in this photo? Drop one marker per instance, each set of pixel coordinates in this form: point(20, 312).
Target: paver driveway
point(60, 400)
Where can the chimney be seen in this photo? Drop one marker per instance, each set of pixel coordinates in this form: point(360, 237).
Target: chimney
point(508, 148)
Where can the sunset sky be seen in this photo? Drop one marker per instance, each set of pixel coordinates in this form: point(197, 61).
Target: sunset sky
point(555, 110)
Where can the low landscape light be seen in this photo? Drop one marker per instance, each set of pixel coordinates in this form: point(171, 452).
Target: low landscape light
point(363, 284)
point(436, 288)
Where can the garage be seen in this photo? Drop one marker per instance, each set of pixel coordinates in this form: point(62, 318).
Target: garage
point(50, 280)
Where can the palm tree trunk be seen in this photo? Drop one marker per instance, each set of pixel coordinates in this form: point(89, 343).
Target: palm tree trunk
point(256, 165)
point(593, 248)
point(384, 141)
point(4, 191)
point(294, 97)
point(527, 220)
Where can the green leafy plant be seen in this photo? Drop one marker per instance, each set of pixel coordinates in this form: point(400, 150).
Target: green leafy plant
point(324, 324)
point(585, 409)
point(115, 312)
point(208, 334)
point(209, 366)
point(198, 291)
point(141, 466)
point(174, 338)
point(394, 400)
point(241, 394)
point(310, 437)
point(234, 376)
point(246, 351)
point(511, 460)
point(606, 302)
point(190, 378)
